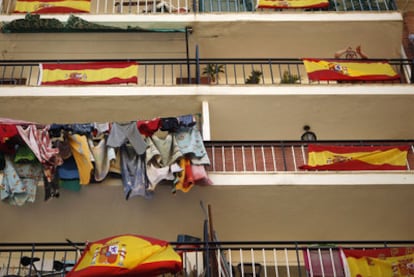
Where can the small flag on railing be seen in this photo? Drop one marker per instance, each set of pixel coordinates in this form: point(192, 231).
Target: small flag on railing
point(337, 70)
point(382, 262)
point(89, 73)
point(292, 4)
point(323, 157)
point(52, 6)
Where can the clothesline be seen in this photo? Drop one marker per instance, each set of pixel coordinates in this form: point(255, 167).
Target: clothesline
point(144, 153)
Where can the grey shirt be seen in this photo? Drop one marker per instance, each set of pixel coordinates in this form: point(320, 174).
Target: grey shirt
point(120, 134)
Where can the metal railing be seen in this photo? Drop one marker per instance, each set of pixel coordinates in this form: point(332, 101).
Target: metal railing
point(211, 6)
point(227, 258)
point(276, 156)
point(167, 72)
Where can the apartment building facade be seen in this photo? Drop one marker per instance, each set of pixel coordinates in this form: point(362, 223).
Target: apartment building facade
point(251, 132)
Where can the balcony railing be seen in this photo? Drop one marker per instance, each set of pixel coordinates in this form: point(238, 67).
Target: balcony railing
point(229, 259)
point(210, 6)
point(169, 72)
point(272, 157)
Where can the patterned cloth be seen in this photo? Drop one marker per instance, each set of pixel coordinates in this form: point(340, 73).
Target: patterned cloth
point(20, 182)
point(39, 142)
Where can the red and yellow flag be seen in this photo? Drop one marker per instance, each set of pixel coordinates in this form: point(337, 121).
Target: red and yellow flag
point(127, 255)
point(89, 73)
point(52, 6)
point(383, 262)
point(292, 4)
point(322, 157)
point(337, 70)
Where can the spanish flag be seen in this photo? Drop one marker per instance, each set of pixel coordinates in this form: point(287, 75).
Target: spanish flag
point(89, 73)
point(337, 70)
point(292, 4)
point(382, 262)
point(322, 157)
point(127, 255)
point(52, 6)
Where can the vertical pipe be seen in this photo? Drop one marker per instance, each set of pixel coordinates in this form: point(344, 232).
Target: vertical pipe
point(197, 66)
point(187, 30)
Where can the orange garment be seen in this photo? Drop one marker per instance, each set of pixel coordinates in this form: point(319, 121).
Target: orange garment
point(186, 180)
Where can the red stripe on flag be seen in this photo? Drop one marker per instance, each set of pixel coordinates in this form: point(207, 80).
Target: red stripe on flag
point(333, 75)
point(83, 66)
point(79, 82)
point(353, 149)
point(329, 75)
point(48, 1)
point(353, 165)
point(321, 5)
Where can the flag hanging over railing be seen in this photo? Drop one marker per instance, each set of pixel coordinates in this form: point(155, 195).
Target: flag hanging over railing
point(127, 255)
point(292, 4)
point(382, 262)
point(324, 157)
point(89, 73)
point(52, 6)
point(337, 70)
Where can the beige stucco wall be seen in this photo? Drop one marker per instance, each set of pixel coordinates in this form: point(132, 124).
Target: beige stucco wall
point(239, 213)
point(282, 38)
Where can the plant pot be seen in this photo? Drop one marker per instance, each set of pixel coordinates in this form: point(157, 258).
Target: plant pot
point(193, 81)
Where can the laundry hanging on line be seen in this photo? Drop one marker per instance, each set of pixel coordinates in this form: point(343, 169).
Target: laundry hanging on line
point(72, 156)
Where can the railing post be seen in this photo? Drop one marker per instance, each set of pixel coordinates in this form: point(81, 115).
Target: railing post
point(412, 72)
point(197, 65)
point(298, 259)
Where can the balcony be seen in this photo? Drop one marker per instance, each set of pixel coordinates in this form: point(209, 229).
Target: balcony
point(210, 6)
point(276, 157)
point(225, 72)
point(227, 258)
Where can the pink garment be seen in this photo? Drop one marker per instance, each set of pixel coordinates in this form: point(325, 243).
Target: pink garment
point(38, 141)
point(200, 175)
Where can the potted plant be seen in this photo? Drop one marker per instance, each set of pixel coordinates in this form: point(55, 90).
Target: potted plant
point(212, 71)
point(289, 78)
point(255, 77)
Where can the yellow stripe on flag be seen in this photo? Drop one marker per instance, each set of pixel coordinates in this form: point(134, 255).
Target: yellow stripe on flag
point(381, 267)
point(292, 3)
point(353, 69)
point(89, 75)
point(93, 73)
point(392, 156)
point(35, 6)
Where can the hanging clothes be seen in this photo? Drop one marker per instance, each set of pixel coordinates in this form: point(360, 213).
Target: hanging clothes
point(161, 159)
point(69, 175)
point(133, 173)
point(187, 120)
point(102, 157)
point(20, 181)
point(83, 157)
point(148, 127)
point(190, 142)
point(39, 142)
point(163, 151)
point(7, 134)
point(186, 180)
point(169, 124)
point(123, 133)
point(51, 188)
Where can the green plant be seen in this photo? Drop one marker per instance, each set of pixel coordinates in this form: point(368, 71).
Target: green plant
point(255, 77)
point(212, 71)
point(289, 78)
